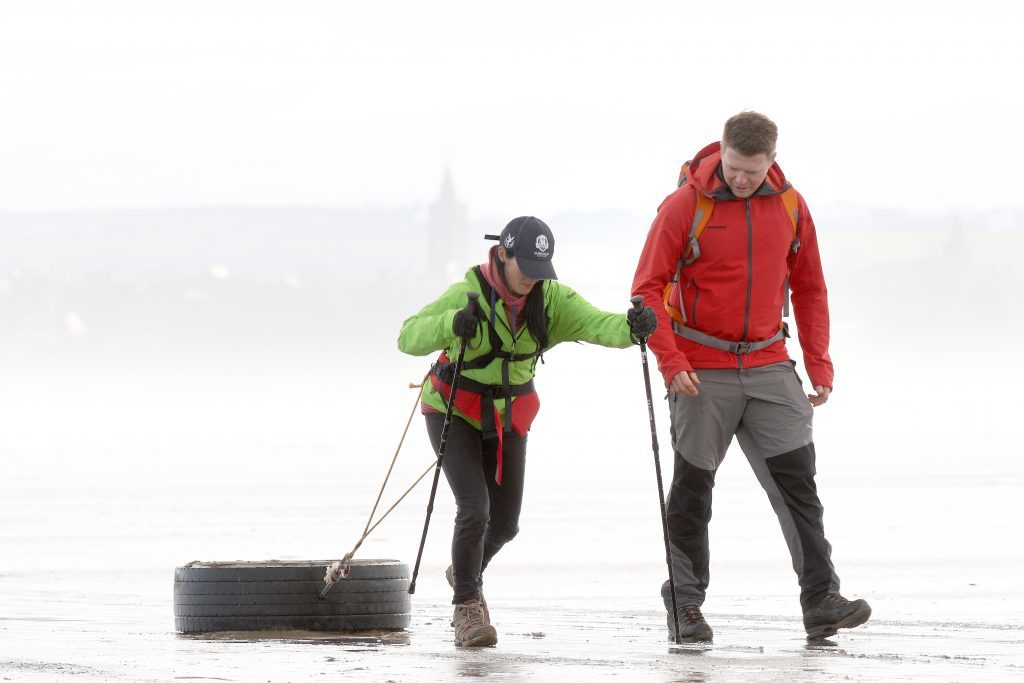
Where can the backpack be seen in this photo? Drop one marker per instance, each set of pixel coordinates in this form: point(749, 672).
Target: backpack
point(701, 216)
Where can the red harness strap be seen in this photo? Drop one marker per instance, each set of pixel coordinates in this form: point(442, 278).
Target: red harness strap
point(470, 404)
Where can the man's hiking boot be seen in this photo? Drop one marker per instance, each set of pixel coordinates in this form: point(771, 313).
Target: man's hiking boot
point(692, 627)
point(450, 575)
point(470, 629)
point(833, 613)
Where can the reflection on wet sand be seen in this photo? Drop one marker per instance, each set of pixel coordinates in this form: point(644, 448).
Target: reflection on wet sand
point(486, 663)
point(365, 639)
point(690, 649)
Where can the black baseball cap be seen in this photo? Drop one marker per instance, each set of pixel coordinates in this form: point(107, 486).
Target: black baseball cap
point(530, 241)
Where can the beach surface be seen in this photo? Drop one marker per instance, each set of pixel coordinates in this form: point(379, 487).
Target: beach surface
point(96, 514)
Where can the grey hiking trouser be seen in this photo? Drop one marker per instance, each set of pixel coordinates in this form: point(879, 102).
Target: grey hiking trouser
point(487, 514)
point(768, 412)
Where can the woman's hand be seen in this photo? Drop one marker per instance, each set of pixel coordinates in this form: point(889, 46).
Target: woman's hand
point(643, 322)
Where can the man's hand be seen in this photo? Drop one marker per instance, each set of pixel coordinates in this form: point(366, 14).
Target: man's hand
point(684, 383)
point(819, 398)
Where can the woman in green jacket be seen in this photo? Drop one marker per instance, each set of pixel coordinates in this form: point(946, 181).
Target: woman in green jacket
point(522, 311)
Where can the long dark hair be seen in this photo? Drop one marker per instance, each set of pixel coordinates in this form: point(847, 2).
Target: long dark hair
point(534, 312)
point(537, 315)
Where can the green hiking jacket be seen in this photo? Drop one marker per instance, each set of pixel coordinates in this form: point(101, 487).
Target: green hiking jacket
point(570, 316)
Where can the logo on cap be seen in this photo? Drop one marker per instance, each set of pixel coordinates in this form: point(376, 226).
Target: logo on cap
point(510, 241)
point(542, 243)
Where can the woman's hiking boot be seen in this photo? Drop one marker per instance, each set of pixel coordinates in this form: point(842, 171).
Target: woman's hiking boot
point(692, 627)
point(470, 629)
point(833, 613)
point(450, 575)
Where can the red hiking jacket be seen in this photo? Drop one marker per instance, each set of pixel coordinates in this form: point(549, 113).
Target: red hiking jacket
point(735, 290)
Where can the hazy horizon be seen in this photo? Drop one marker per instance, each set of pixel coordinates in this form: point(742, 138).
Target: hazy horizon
point(539, 108)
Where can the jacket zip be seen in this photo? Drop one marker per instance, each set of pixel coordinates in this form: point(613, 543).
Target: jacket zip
point(750, 279)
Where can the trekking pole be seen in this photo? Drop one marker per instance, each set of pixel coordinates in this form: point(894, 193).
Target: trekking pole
point(471, 304)
point(638, 302)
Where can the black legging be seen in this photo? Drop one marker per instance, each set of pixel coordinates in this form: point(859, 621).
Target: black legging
point(488, 514)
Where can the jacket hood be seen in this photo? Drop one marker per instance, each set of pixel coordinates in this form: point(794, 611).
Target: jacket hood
point(705, 176)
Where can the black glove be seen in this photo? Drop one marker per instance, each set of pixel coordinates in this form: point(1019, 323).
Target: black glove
point(465, 321)
point(642, 323)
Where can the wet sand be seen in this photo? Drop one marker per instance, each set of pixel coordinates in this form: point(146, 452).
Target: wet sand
point(91, 529)
point(57, 633)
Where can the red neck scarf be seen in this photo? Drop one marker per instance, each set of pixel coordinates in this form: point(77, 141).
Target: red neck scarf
point(514, 303)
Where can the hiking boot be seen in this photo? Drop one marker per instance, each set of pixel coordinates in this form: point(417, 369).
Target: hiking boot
point(470, 629)
point(833, 613)
point(692, 627)
point(450, 575)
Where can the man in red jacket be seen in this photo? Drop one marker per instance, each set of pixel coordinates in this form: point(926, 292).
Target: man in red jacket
point(725, 250)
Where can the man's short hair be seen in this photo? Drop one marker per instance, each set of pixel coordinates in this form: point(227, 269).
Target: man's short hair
point(750, 134)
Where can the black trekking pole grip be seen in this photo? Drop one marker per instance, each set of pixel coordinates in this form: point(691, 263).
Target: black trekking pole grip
point(471, 303)
point(638, 306)
point(637, 302)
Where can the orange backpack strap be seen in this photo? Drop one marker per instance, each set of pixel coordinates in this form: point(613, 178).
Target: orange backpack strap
point(701, 216)
point(792, 204)
point(674, 304)
point(691, 251)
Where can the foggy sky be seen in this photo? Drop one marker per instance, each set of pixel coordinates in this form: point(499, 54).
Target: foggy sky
point(538, 108)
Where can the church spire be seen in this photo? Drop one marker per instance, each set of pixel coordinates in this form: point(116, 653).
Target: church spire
point(448, 231)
